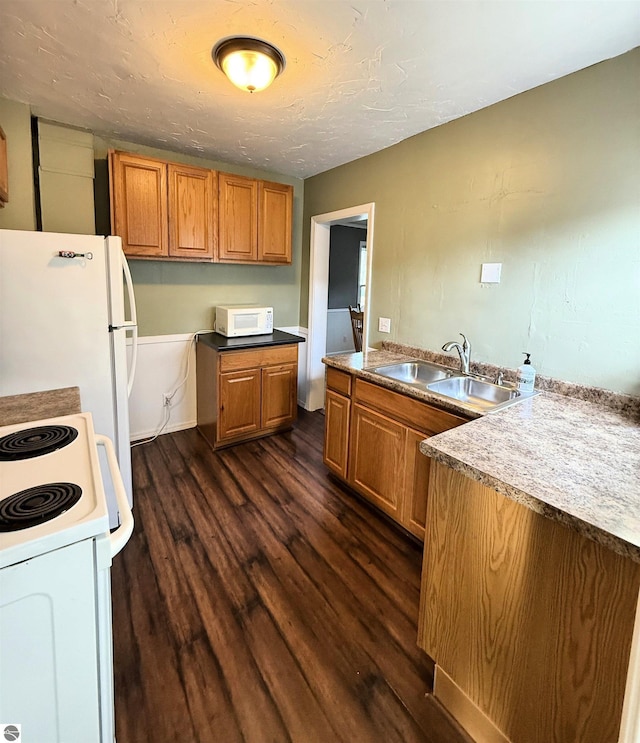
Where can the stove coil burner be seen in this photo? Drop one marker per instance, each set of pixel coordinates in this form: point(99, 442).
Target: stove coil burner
point(34, 442)
point(36, 505)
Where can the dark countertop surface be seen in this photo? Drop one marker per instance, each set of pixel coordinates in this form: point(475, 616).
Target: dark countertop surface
point(222, 343)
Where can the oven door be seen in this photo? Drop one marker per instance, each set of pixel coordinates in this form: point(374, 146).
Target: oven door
point(52, 646)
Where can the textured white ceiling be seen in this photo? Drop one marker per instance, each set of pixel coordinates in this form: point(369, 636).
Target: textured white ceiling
point(360, 76)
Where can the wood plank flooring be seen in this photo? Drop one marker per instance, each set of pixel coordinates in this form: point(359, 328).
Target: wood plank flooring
point(257, 601)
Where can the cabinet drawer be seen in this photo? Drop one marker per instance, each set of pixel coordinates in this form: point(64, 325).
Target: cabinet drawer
point(405, 409)
point(339, 381)
point(256, 357)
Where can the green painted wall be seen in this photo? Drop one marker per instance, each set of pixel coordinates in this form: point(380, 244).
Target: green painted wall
point(19, 213)
point(180, 297)
point(548, 184)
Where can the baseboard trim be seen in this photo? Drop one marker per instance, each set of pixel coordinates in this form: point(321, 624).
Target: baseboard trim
point(466, 713)
point(171, 428)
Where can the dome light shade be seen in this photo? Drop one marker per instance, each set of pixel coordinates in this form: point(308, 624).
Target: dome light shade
point(250, 64)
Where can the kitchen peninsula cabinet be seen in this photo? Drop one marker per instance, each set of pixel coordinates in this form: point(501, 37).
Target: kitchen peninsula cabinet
point(246, 392)
point(372, 438)
point(163, 210)
point(255, 220)
point(529, 622)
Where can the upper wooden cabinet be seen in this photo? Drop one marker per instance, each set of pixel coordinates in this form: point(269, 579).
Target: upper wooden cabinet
point(255, 220)
point(138, 191)
point(193, 210)
point(167, 211)
point(162, 210)
point(275, 205)
point(238, 224)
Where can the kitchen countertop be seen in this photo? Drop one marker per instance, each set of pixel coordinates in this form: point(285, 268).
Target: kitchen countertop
point(568, 459)
point(222, 343)
point(360, 363)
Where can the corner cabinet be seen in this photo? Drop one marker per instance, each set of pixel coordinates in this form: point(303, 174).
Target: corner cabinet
point(255, 220)
point(372, 439)
point(168, 211)
point(245, 394)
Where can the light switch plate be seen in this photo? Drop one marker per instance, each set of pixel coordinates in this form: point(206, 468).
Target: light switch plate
point(384, 324)
point(490, 273)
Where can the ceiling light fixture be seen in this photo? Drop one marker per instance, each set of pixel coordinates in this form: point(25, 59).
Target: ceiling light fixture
point(251, 64)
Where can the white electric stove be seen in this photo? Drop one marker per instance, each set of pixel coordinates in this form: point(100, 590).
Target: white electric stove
point(56, 662)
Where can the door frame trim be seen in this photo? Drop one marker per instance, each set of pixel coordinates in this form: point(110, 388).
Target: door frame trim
point(319, 293)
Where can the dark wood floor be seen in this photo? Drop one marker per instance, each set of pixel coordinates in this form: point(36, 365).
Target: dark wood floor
point(259, 602)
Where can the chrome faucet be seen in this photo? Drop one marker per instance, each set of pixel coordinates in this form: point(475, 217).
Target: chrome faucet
point(464, 351)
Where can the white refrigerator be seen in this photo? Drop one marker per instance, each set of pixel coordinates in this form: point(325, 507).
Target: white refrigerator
point(63, 323)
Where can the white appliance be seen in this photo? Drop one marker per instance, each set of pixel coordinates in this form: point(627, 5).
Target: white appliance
point(63, 324)
point(56, 656)
point(235, 320)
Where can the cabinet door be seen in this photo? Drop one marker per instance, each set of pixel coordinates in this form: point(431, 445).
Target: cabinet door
point(376, 460)
point(275, 205)
point(139, 204)
point(192, 212)
point(239, 403)
point(279, 395)
point(336, 432)
point(238, 218)
point(416, 487)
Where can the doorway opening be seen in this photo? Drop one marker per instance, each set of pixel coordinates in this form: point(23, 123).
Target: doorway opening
point(319, 291)
point(347, 286)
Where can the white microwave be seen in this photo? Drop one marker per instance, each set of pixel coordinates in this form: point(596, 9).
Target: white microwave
point(234, 320)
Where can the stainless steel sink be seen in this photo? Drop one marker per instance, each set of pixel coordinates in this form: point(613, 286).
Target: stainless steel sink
point(478, 394)
point(420, 373)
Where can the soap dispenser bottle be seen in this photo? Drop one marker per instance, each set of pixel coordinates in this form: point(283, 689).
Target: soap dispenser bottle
point(526, 376)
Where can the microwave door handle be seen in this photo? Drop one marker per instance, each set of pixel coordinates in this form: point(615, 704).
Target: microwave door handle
point(119, 537)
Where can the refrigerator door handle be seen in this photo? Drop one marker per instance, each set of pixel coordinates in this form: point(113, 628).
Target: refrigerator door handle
point(131, 324)
point(119, 537)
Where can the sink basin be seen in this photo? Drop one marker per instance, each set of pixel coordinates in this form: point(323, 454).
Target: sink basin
point(478, 394)
point(414, 372)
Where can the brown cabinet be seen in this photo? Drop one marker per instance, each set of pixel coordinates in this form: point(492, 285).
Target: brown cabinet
point(279, 395)
point(255, 220)
point(162, 210)
point(139, 213)
point(376, 459)
point(192, 212)
point(167, 211)
point(372, 439)
point(337, 411)
point(245, 394)
point(275, 206)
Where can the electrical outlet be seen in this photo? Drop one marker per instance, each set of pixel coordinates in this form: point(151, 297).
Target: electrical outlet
point(384, 324)
point(166, 400)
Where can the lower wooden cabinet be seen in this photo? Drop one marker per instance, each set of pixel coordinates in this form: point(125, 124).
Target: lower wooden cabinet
point(279, 395)
point(240, 394)
point(376, 459)
point(245, 394)
point(372, 439)
point(336, 432)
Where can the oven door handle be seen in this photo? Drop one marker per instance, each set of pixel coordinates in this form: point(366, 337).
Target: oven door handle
point(119, 537)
